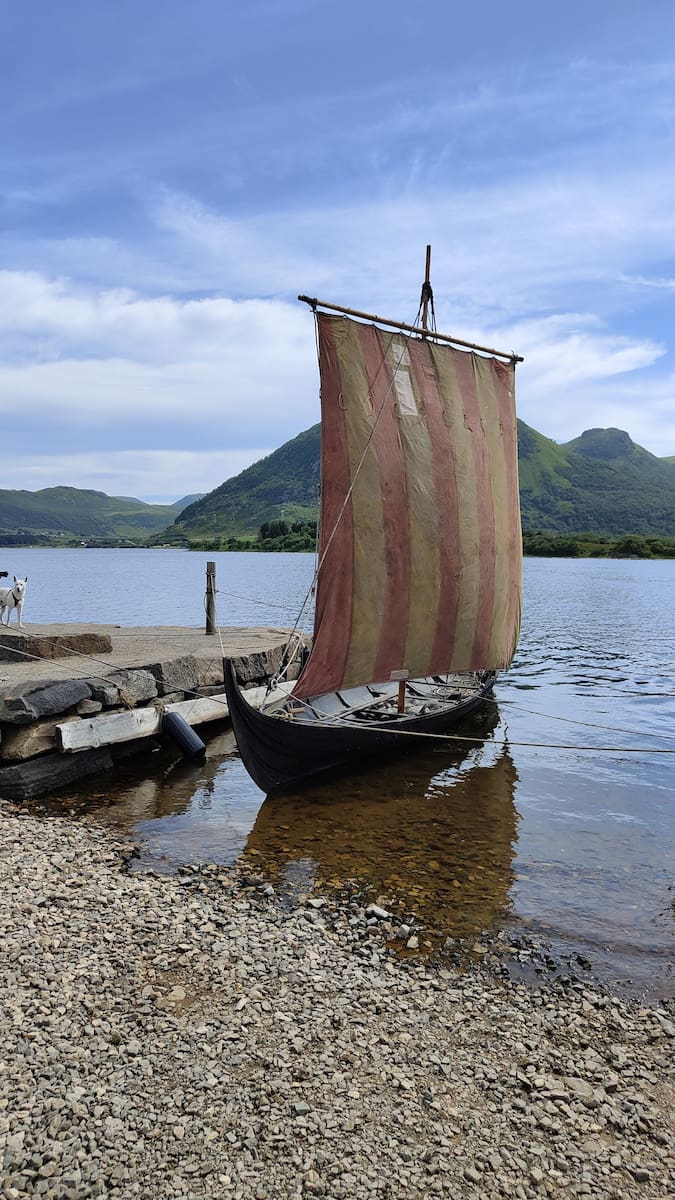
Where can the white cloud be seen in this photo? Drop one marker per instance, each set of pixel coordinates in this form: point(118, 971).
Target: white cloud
point(147, 475)
point(578, 374)
point(112, 357)
point(660, 284)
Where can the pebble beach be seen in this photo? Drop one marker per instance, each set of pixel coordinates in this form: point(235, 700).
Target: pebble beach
point(191, 1036)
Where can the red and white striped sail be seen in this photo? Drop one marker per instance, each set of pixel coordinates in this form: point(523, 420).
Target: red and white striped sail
point(420, 543)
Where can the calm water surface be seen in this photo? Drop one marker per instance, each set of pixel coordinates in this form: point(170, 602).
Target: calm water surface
point(551, 825)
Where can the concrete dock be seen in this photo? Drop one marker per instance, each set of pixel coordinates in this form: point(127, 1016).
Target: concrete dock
point(74, 699)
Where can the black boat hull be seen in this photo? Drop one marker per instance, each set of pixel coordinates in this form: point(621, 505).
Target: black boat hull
point(279, 753)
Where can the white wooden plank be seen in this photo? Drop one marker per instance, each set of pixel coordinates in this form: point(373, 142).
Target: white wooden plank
point(112, 728)
point(107, 729)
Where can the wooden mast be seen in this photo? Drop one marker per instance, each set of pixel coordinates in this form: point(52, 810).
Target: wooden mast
point(426, 290)
point(426, 297)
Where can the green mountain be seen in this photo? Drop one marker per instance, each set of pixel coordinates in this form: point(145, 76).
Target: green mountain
point(60, 512)
point(285, 485)
point(185, 501)
point(601, 482)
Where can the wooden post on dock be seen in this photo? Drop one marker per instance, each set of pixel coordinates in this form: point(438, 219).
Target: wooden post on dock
point(210, 597)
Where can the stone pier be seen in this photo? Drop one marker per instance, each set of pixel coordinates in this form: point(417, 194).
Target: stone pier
point(74, 699)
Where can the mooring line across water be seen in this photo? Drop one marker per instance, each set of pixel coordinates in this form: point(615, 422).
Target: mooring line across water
point(533, 712)
point(195, 695)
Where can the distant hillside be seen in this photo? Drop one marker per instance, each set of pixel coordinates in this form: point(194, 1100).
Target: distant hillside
point(600, 482)
point(60, 512)
point(186, 501)
point(283, 485)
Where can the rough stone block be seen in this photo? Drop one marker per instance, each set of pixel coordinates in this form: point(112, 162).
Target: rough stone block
point(258, 666)
point(26, 741)
point(107, 694)
point(209, 672)
point(128, 687)
point(13, 645)
point(177, 675)
point(28, 701)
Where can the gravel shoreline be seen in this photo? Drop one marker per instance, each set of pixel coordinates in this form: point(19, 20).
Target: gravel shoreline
point(188, 1036)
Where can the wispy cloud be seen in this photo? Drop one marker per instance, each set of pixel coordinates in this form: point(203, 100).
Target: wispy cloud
point(642, 281)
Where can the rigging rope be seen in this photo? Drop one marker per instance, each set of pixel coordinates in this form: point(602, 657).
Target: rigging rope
point(572, 721)
point(455, 737)
point(252, 600)
point(116, 669)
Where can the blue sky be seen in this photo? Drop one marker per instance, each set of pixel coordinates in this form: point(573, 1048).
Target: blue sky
point(172, 175)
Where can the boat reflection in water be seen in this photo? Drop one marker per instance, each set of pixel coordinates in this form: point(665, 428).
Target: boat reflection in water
point(431, 833)
point(430, 837)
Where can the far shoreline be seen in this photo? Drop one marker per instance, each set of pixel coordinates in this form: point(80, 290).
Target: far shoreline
point(536, 544)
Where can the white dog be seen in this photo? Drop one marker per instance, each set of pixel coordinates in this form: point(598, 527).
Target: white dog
point(12, 598)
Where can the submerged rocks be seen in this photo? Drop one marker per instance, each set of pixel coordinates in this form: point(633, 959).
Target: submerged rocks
point(190, 1036)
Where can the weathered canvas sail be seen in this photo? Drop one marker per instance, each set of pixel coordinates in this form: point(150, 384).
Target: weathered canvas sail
point(420, 538)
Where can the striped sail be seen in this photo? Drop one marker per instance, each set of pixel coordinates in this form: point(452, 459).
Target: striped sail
point(420, 543)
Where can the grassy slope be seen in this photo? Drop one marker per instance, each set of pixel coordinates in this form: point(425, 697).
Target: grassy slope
point(600, 482)
point(285, 484)
point(82, 512)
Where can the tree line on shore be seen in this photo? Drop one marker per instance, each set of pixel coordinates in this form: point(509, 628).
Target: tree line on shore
point(275, 536)
point(294, 536)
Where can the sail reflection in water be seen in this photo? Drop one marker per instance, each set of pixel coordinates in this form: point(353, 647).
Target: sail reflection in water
point(430, 836)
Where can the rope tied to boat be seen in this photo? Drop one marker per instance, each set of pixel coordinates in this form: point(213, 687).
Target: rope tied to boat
point(114, 669)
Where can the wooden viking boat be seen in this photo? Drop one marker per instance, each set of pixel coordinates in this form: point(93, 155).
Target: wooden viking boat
point(418, 583)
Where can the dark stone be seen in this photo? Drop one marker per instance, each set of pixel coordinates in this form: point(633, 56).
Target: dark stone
point(27, 702)
point(258, 667)
point(124, 688)
point(125, 750)
point(38, 776)
point(14, 645)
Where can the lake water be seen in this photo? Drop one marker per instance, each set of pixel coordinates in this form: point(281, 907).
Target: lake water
point(553, 825)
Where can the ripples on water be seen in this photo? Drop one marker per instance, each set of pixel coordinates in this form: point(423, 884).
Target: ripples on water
point(575, 845)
